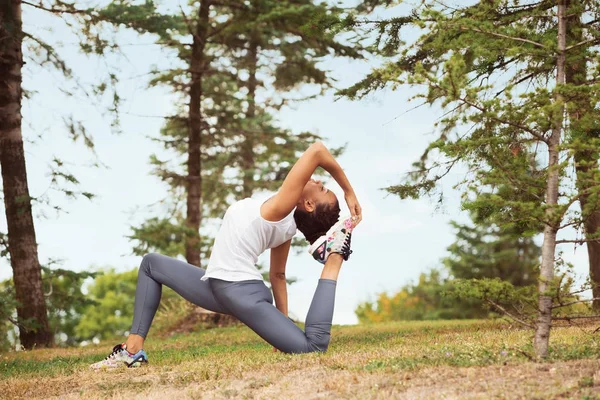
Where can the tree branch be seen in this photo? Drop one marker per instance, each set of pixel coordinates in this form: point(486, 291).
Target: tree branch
point(575, 317)
point(575, 198)
point(533, 133)
point(504, 36)
point(436, 165)
point(56, 10)
point(573, 223)
point(574, 302)
point(579, 291)
point(584, 42)
point(187, 22)
point(578, 241)
point(229, 4)
point(518, 82)
point(220, 28)
point(503, 310)
point(510, 123)
point(494, 68)
point(156, 116)
point(14, 322)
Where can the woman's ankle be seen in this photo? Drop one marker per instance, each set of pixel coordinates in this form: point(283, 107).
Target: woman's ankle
point(332, 267)
point(134, 343)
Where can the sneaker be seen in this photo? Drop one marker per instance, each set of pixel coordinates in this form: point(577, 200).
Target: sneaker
point(121, 357)
point(336, 240)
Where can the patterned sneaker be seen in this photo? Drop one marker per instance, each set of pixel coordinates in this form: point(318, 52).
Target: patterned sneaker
point(121, 357)
point(336, 240)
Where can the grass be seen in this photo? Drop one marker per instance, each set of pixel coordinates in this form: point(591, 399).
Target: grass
point(437, 359)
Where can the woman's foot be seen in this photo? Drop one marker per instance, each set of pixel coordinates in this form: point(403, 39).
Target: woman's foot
point(336, 240)
point(121, 357)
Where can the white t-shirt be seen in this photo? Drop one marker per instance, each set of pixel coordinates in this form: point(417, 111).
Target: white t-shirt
point(244, 235)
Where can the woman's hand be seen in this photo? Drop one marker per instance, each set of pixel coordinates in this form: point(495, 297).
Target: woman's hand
point(354, 206)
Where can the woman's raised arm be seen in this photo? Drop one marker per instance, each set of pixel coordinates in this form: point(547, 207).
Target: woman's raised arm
point(287, 198)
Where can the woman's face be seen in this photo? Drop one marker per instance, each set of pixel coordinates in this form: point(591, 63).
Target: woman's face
point(315, 193)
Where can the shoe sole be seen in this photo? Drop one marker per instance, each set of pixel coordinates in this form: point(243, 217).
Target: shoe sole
point(138, 362)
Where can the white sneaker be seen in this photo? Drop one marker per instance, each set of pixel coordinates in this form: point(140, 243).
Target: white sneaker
point(121, 357)
point(336, 240)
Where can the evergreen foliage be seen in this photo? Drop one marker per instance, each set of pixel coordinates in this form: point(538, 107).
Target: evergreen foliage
point(66, 302)
point(114, 295)
point(428, 299)
point(250, 57)
point(23, 52)
point(486, 251)
point(483, 254)
point(519, 86)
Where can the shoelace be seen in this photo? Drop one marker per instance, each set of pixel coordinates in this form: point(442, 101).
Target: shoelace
point(346, 247)
point(116, 350)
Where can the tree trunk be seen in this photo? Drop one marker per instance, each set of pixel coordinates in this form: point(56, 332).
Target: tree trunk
point(592, 226)
point(544, 321)
point(248, 143)
point(194, 179)
point(22, 244)
point(586, 159)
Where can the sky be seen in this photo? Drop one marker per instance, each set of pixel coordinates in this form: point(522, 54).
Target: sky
point(397, 240)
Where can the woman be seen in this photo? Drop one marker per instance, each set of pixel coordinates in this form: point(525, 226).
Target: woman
point(232, 284)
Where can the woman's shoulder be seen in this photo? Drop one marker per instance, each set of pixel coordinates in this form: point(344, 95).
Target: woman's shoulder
point(251, 208)
point(244, 207)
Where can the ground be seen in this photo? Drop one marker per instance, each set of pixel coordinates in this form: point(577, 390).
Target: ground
point(407, 360)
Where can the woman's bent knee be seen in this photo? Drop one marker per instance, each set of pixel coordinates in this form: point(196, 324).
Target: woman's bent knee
point(320, 346)
point(310, 347)
point(318, 338)
point(147, 261)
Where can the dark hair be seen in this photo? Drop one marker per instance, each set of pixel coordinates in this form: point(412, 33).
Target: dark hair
point(315, 224)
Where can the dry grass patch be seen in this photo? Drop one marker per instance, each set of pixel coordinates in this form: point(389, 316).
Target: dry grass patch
point(562, 380)
point(444, 359)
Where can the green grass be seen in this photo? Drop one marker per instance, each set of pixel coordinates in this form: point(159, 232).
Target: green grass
point(386, 358)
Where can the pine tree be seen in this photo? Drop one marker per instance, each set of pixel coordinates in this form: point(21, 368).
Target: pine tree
point(188, 132)
point(279, 43)
point(584, 125)
point(20, 241)
point(242, 148)
point(483, 251)
point(22, 244)
point(487, 251)
point(501, 71)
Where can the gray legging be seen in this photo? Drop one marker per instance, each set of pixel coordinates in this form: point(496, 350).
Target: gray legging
point(249, 301)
